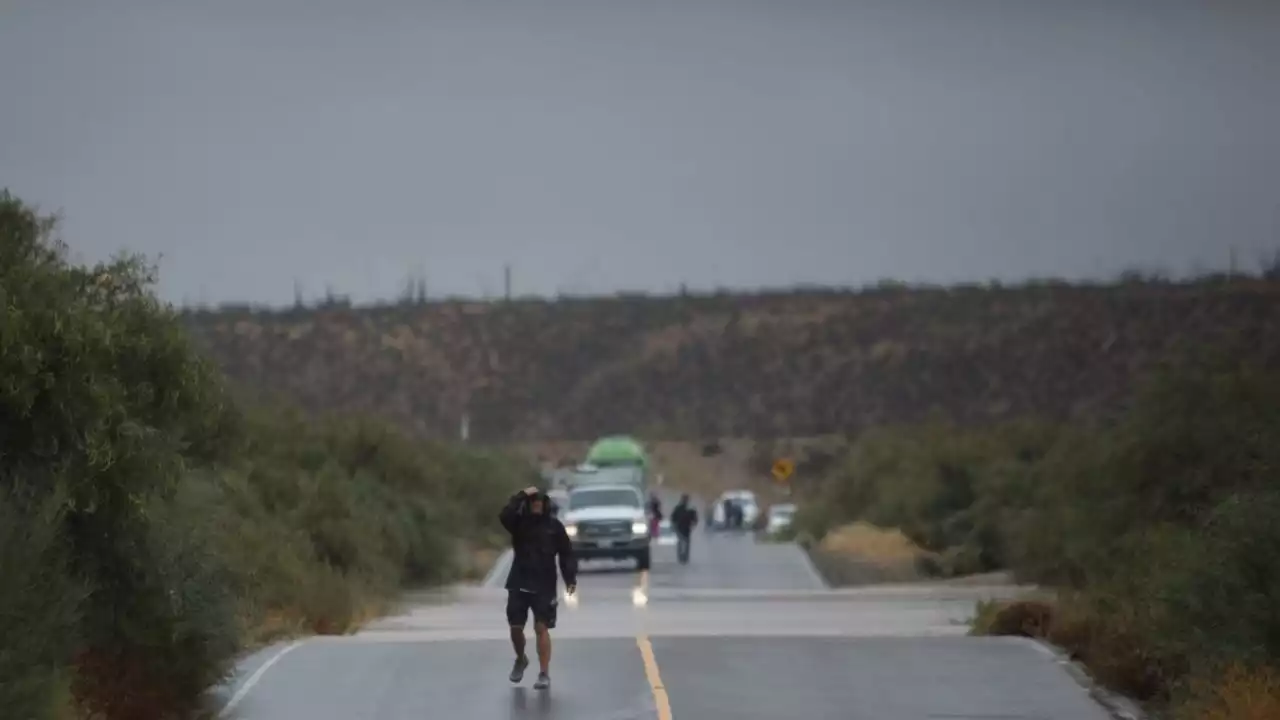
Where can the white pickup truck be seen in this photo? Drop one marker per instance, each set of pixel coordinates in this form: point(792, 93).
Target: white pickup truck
point(607, 521)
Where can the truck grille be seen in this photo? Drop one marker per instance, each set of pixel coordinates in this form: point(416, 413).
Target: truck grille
point(605, 528)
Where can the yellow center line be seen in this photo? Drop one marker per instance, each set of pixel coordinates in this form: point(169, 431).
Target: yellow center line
point(651, 673)
point(655, 679)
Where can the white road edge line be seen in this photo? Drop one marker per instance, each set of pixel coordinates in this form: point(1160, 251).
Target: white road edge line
point(813, 569)
point(1115, 704)
point(256, 677)
point(1041, 647)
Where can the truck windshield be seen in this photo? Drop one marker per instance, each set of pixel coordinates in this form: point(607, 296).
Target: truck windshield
point(603, 497)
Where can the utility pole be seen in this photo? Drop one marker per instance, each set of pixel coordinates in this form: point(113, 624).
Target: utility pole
point(464, 427)
point(506, 281)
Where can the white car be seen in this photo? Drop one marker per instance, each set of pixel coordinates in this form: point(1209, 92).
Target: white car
point(779, 517)
point(744, 499)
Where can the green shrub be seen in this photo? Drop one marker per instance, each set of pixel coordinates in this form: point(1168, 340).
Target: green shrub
point(1165, 524)
point(1200, 431)
point(39, 612)
point(177, 636)
point(104, 406)
point(151, 530)
point(953, 491)
point(1215, 588)
point(325, 519)
point(1159, 525)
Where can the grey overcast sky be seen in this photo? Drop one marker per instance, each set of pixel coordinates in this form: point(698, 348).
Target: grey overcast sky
point(598, 145)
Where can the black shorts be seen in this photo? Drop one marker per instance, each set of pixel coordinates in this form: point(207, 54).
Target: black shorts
point(520, 603)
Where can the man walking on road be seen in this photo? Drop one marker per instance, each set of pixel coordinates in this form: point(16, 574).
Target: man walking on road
point(683, 519)
point(538, 540)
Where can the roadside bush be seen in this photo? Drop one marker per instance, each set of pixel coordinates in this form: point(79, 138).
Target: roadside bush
point(181, 604)
point(151, 529)
point(103, 407)
point(1166, 521)
point(1222, 585)
point(952, 491)
point(1159, 526)
point(1107, 635)
point(337, 515)
point(1021, 618)
point(860, 553)
point(39, 613)
point(321, 521)
point(1238, 693)
point(1201, 431)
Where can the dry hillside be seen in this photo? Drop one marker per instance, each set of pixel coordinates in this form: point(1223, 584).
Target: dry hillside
point(793, 364)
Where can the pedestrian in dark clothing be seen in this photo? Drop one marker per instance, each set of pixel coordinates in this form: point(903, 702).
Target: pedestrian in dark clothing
point(683, 519)
point(737, 515)
point(538, 541)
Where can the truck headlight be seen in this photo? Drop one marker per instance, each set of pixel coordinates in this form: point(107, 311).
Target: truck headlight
point(571, 530)
point(639, 528)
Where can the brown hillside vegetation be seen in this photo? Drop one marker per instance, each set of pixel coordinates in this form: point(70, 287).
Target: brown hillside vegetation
point(784, 364)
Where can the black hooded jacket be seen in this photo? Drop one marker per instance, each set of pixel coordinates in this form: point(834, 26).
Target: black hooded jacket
point(683, 518)
point(537, 542)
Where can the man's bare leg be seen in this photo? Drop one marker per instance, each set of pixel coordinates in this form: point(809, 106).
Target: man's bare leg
point(544, 646)
point(517, 640)
point(522, 661)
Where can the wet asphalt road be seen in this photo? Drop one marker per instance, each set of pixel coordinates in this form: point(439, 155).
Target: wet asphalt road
point(745, 631)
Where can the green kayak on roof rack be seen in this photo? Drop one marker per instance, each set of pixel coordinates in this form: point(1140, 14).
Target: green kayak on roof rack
point(617, 450)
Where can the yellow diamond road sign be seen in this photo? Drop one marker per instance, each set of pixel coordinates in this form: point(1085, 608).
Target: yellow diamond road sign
point(782, 469)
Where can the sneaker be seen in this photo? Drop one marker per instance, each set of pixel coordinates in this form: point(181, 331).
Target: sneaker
point(517, 671)
point(544, 681)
